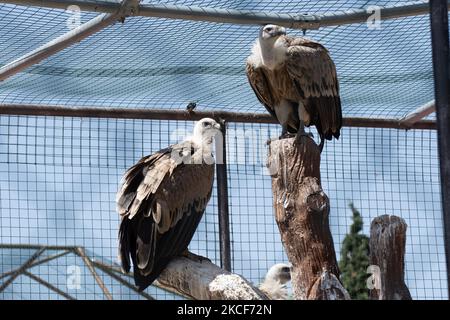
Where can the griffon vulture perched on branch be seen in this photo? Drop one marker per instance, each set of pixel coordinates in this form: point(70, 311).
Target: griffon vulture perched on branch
point(161, 201)
point(295, 79)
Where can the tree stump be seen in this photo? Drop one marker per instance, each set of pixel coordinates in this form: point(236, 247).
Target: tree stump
point(387, 252)
point(301, 212)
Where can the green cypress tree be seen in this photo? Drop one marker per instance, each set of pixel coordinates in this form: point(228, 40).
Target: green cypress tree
point(355, 259)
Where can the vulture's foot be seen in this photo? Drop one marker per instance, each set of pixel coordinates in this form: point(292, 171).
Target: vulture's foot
point(195, 257)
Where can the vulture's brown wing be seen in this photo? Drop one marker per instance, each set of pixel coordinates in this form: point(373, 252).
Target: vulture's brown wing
point(314, 75)
point(260, 85)
point(161, 203)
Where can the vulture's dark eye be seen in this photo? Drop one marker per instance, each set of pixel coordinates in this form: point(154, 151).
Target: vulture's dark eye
point(269, 29)
point(205, 124)
point(286, 269)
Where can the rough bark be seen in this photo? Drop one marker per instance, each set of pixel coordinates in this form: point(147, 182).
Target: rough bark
point(301, 212)
point(387, 252)
point(203, 280)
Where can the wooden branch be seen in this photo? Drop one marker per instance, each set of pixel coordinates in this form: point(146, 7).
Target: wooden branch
point(203, 280)
point(301, 212)
point(387, 251)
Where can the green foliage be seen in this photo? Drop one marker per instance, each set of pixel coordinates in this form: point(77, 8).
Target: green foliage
point(355, 259)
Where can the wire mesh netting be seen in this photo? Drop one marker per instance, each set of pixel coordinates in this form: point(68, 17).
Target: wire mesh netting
point(161, 63)
point(59, 176)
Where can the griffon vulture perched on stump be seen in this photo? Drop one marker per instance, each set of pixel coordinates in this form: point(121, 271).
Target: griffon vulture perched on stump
point(295, 79)
point(161, 201)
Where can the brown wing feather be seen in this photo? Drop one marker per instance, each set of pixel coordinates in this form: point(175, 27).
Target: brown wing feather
point(260, 85)
point(314, 75)
point(161, 203)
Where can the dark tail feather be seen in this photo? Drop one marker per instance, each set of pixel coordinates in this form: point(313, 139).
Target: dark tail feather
point(124, 244)
point(142, 282)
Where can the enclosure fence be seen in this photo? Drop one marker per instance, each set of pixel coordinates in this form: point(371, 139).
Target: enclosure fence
point(70, 125)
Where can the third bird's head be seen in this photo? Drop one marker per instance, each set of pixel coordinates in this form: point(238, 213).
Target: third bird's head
point(206, 129)
point(271, 32)
point(280, 272)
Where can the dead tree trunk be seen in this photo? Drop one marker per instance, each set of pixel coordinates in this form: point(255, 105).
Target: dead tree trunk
point(387, 252)
point(301, 212)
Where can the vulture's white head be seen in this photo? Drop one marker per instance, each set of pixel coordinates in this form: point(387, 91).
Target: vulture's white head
point(271, 32)
point(205, 130)
point(269, 49)
point(279, 272)
point(274, 284)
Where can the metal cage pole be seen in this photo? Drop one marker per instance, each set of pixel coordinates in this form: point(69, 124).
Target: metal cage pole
point(440, 44)
point(222, 199)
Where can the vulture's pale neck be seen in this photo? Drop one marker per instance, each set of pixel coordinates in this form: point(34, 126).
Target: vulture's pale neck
point(272, 51)
point(202, 142)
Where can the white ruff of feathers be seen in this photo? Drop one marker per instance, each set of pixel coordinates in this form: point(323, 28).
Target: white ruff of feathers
point(201, 142)
point(269, 54)
point(274, 289)
point(274, 285)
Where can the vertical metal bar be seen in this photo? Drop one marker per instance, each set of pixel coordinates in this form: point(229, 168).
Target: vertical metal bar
point(440, 44)
point(222, 195)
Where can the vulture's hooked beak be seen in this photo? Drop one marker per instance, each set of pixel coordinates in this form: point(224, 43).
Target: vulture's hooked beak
point(281, 31)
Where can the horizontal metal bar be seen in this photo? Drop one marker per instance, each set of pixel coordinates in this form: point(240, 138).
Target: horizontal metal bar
point(164, 114)
point(36, 247)
point(386, 13)
point(300, 21)
point(295, 21)
point(387, 123)
point(418, 114)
